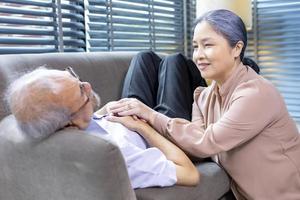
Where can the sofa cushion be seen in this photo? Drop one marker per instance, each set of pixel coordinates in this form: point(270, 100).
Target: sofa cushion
point(70, 165)
point(213, 184)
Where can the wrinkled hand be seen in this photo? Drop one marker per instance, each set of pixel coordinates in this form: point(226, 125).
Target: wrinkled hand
point(129, 122)
point(131, 106)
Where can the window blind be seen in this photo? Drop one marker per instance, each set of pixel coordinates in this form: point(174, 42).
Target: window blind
point(277, 43)
point(40, 26)
point(27, 26)
point(190, 19)
point(73, 25)
point(133, 25)
point(251, 43)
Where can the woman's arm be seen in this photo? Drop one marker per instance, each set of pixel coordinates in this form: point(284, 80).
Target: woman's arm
point(252, 108)
point(187, 174)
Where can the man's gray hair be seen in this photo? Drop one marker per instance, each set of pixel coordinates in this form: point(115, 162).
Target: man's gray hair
point(29, 98)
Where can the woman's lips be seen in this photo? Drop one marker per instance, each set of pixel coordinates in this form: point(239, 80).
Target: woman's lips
point(202, 66)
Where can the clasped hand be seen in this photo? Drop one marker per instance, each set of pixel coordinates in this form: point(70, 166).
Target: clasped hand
point(132, 124)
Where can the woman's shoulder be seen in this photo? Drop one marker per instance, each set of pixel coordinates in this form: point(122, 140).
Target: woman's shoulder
point(256, 82)
point(257, 87)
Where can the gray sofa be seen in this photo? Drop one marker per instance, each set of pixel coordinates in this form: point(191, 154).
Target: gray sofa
point(71, 165)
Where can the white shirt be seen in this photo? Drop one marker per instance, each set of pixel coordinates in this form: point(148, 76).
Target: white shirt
point(147, 166)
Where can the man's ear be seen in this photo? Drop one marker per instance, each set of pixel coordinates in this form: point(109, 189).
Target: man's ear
point(238, 49)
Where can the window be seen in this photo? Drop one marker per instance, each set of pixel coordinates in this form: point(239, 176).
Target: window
point(190, 18)
point(275, 45)
point(135, 25)
point(38, 26)
point(72, 25)
point(27, 27)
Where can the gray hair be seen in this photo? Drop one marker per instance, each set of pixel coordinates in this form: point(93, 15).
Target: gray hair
point(27, 99)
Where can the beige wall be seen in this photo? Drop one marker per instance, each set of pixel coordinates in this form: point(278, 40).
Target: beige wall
point(241, 7)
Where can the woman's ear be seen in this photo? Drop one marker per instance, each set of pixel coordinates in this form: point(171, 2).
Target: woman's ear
point(238, 49)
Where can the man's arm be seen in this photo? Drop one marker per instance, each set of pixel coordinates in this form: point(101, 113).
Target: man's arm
point(187, 174)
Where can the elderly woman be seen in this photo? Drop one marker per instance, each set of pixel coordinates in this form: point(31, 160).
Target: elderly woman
point(240, 120)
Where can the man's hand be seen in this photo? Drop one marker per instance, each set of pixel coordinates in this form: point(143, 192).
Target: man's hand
point(131, 123)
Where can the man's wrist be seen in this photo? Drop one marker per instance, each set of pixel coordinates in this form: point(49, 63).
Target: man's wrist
point(142, 128)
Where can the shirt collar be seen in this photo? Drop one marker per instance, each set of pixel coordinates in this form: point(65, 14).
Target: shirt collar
point(231, 82)
point(97, 117)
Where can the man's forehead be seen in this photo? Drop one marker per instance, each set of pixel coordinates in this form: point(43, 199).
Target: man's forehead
point(60, 81)
point(61, 76)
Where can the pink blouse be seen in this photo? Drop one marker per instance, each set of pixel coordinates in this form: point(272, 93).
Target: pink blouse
point(243, 125)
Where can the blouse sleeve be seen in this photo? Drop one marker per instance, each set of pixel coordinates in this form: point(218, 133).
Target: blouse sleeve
point(251, 109)
point(196, 111)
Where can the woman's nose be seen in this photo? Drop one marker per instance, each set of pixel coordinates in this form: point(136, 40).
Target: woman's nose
point(198, 53)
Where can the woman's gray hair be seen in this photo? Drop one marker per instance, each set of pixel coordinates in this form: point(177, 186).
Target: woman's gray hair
point(36, 116)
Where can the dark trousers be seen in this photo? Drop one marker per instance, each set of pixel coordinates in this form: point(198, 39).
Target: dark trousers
point(164, 84)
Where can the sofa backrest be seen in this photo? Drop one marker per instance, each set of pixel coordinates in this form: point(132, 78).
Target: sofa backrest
point(104, 70)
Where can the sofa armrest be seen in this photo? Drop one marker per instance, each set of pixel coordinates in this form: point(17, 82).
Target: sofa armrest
point(69, 165)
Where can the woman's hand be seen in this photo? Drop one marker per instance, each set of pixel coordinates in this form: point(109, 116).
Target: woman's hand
point(129, 122)
point(133, 107)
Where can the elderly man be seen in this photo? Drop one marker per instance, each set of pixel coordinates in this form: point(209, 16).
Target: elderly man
point(47, 100)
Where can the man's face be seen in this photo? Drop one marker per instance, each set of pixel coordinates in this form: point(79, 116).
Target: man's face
point(80, 99)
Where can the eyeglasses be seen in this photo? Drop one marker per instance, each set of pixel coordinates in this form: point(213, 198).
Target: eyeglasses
point(72, 72)
point(82, 91)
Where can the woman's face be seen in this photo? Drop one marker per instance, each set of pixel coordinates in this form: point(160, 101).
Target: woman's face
point(213, 55)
